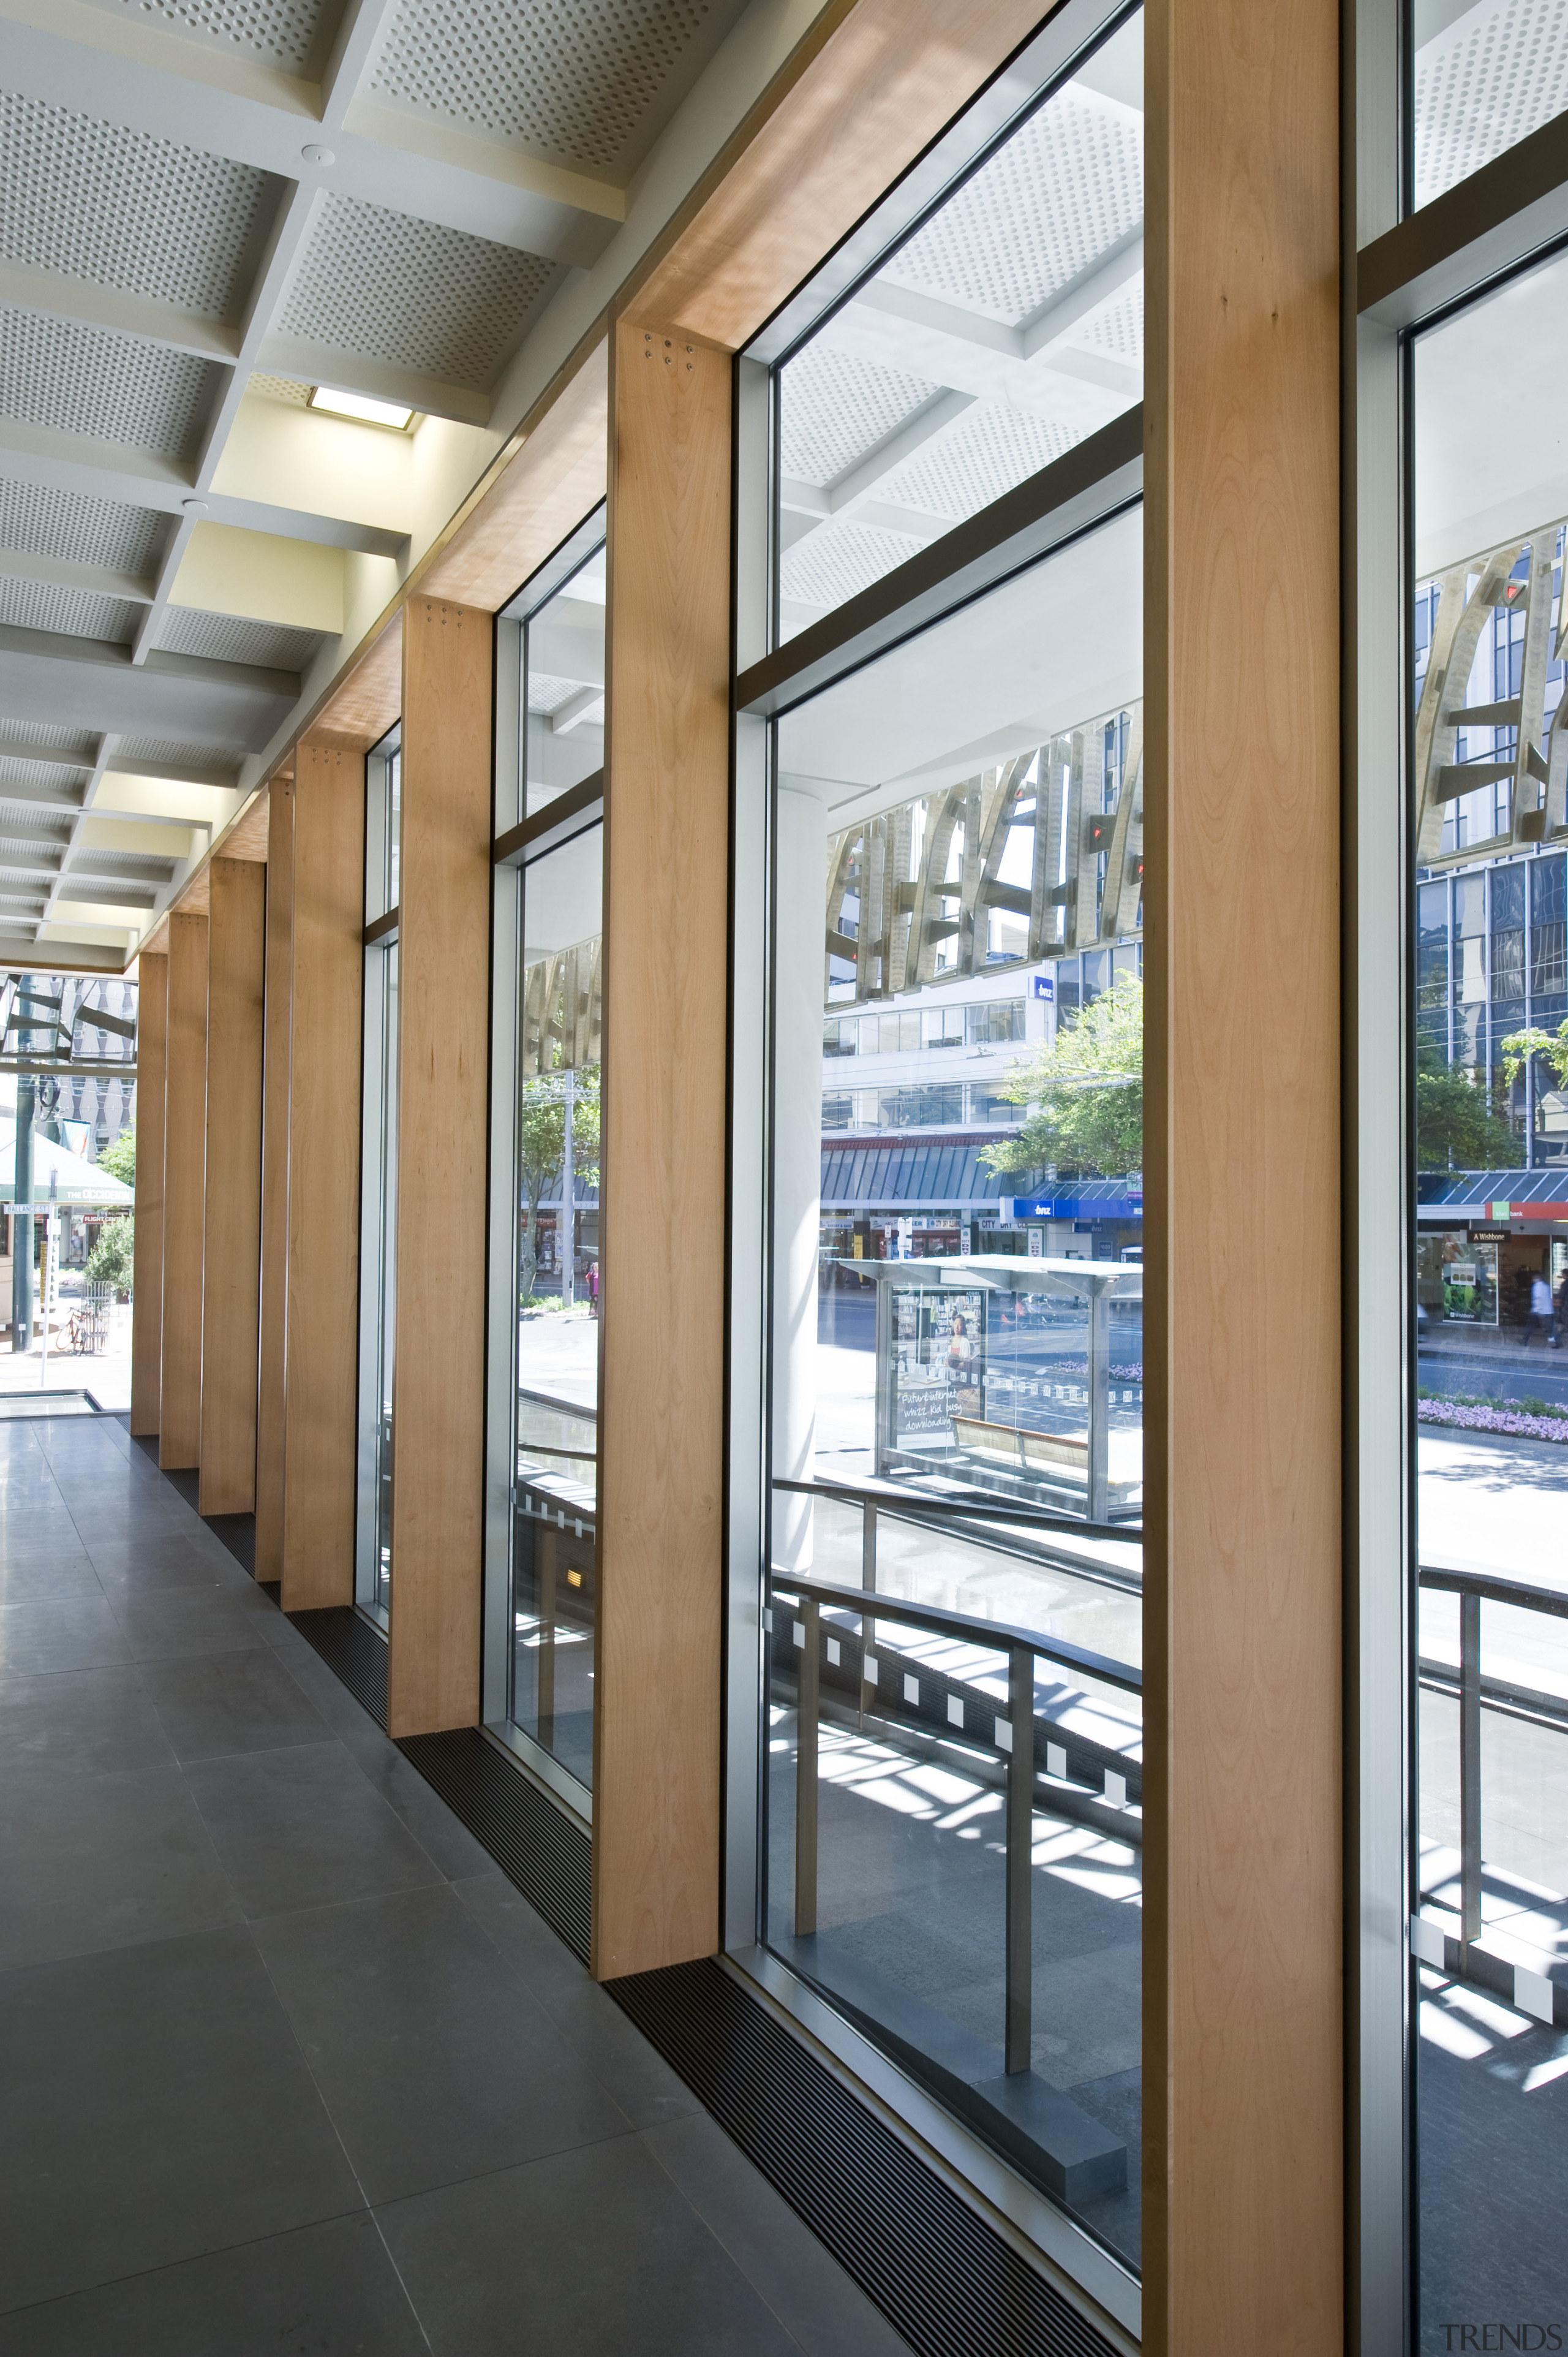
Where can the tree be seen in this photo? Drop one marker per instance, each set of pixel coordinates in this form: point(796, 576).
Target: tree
point(542, 1150)
point(120, 1159)
point(1456, 1127)
point(1086, 1087)
point(112, 1256)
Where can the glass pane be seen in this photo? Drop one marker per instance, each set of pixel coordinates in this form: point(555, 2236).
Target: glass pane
point(1485, 77)
point(1007, 327)
point(958, 1318)
point(564, 705)
point(1489, 1934)
point(387, 1325)
point(556, 1519)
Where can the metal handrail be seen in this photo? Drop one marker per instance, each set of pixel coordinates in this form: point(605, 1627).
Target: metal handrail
point(1000, 1636)
point(914, 1502)
point(1493, 1588)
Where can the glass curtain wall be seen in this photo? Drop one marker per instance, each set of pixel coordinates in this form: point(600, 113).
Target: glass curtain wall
point(949, 1705)
point(543, 1547)
point(378, 1224)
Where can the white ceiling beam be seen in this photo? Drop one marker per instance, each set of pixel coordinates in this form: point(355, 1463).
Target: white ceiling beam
point(62, 572)
point(95, 61)
point(67, 800)
point(382, 380)
point(137, 479)
point(361, 29)
point(100, 763)
point(292, 222)
point(77, 299)
point(923, 433)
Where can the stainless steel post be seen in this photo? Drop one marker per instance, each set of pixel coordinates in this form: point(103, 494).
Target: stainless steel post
point(1469, 1771)
point(1099, 1500)
point(1020, 1843)
point(867, 1581)
point(807, 1693)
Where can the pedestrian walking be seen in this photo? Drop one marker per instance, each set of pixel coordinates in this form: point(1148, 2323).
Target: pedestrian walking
point(1540, 1313)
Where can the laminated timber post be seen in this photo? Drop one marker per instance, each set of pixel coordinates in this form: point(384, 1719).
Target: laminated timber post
point(325, 991)
point(148, 1292)
point(232, 1258)
point(274, 1179)
point(438, 1383)
point(1243, 2040)
point(185, 1142)
point(656, 1723)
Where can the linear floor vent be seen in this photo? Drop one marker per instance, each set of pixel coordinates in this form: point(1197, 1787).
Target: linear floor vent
point(537, 1847)
point(938, 2274)
point(353, 1651)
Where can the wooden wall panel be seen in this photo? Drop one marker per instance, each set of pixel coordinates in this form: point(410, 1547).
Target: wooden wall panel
point(323, 1314)
point(438, 1389)
point(231, 1259)
point(274, 1181)
point(555, 480)
point(185, 1142)
point(147, 1289)
point(656, 1795)
point(1242, 2079)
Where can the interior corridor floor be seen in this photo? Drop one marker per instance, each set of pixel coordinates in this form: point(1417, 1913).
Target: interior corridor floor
point(287, 2063)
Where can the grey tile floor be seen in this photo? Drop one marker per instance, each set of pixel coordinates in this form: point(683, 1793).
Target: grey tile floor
point(285, 2064)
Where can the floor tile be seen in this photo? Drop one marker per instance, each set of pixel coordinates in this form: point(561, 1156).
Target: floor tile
point(596, 2249)
point(157, 2107)
point(443, 1837)
point(79, 1723)
point(46, 1577)
point(94, 1862)
point(70, 1632)
point(616, 2051)
point(211, 1703)
point(434, 2060)
point(151, 1565)
point(303, 1828)
point(822, 2308)
point(329, 2290)
point(172, 1623)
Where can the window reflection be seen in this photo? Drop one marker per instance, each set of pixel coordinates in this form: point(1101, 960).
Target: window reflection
point(954, 1779)
point(563, 719)
point(1485, 78)
point(378, 1225)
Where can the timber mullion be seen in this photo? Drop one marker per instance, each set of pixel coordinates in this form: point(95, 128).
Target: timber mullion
point(147, 1289)
point(437, 1514)
point(279, 1002)
point(184, 1137)
point(231, 1257)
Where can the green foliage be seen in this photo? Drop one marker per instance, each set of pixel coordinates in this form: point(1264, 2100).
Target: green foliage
point(542, 1150)
point(1457, 1125)
point(1551, 1047)
point(120, 1159)
point(112, 1257)
point(1088, 1090)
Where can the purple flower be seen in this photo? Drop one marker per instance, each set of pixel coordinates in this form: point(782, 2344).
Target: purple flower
point(1452, 1414)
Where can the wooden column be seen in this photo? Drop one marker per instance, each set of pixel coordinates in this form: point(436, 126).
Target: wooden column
point(438, 1388)
point(1243, 2210)
point(656, 1729)
point(322, 1341)
point(147, 1289)
point(274, 1179)
point(231, 1261)
point(185, 1141)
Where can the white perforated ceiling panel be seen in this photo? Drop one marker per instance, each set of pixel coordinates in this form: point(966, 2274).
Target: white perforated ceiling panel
point(1118, 329)
point(1051, 204)
point(110, 388)
point(284, 32)
point(571, 78)
point(839, 559)
point(412, 293)
point(1489, 79)
point(74, 613)
point(218, 764)
point(223, 637)
point(834, 409)
point(280, 388)
point(42, 777)
point(42, 523)
point(91, 199)
point(993, 447)
point(32, 732)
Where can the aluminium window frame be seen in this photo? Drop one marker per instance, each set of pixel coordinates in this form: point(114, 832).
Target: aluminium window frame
point(379, 938)
point(517, 841)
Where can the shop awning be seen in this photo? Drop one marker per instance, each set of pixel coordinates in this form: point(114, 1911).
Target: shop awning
point(60, 1176)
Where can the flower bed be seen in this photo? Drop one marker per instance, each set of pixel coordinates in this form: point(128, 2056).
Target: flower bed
point(1506, 1417)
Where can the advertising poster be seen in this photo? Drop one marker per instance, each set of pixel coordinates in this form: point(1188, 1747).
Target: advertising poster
point(939, 1341)
point(1456, 1278)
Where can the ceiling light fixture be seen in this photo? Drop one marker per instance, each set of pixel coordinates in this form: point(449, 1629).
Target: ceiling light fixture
point(359, 406)
point(322, 155)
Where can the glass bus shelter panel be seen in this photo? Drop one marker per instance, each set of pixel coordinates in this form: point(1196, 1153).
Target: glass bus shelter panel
point(1489, 1901)
point(952, 1707)
point(564, 698)
point(1483, 78)
point(554, 1549)
point(1004, 329)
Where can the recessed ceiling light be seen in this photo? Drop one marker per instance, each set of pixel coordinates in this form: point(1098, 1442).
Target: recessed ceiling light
point(359, 406)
